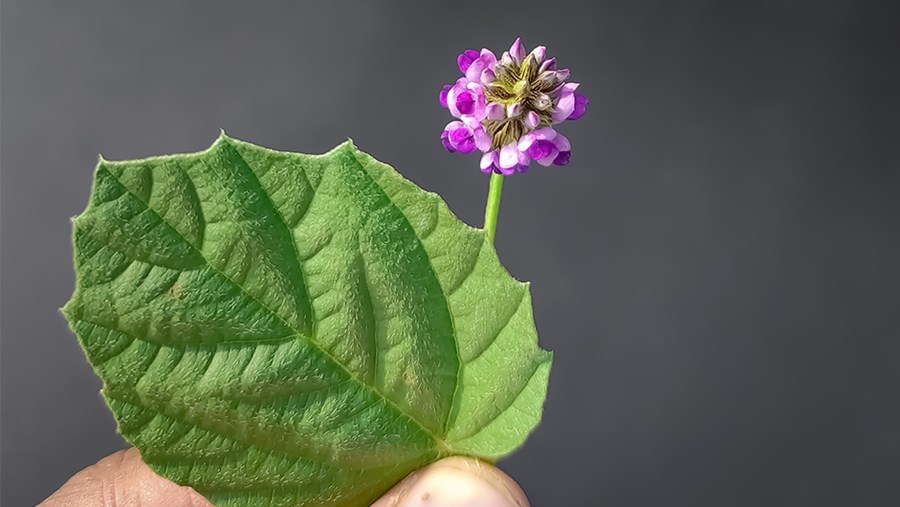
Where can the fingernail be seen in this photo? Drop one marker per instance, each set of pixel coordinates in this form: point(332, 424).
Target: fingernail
point(457, 482)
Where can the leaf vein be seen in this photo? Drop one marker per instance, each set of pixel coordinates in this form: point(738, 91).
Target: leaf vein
point(313, 343)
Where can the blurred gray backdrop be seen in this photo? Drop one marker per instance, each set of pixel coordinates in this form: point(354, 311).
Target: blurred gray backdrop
point(716, 270)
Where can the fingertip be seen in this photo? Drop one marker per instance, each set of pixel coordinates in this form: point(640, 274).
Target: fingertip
point(456, 482)
point(122, 479)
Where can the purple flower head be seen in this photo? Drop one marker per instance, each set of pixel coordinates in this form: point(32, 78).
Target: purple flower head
point(507, 108)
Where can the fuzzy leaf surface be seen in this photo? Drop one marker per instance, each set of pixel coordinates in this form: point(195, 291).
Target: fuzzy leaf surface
point(280, 329)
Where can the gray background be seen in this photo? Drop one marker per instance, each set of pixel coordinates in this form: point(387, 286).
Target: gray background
point(716, 270)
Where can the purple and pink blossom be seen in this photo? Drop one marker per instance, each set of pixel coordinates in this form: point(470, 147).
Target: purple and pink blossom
point(507, 109)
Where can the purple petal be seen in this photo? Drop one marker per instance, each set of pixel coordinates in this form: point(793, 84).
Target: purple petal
point(532, 120)
point(466, 145)
point(443, 95)
point(561, 142)
point(543, 152)
point(477, 94)
point(549, 156)
point(454, 125)
point(466, 58)
point(486, 61)
point(581, 103)
point(539, 150)
point(505, 171)
point(446, 142)
point(539, 54)
point(513, 110)
point(562, 158)
point(465, 102)
point(459, 135)
point(452, 95)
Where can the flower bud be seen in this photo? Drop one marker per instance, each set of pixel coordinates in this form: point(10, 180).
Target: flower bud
point(548, 65)
point(517, 51)
point(488, 77)
point(543, 102)
point(495, 111)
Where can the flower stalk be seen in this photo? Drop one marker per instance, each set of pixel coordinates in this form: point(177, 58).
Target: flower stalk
point(492, 210)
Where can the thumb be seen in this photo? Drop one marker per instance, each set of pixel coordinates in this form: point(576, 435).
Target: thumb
point(122, 480)
point(455, 482)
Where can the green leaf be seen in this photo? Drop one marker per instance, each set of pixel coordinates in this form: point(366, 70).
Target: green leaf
point(277, 329)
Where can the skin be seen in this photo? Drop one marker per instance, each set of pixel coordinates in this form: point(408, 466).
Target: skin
point(123, 480)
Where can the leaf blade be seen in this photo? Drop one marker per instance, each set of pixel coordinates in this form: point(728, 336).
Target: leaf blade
point(312, 316)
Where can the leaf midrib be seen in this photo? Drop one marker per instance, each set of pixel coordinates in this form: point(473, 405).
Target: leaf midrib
point(438, 442)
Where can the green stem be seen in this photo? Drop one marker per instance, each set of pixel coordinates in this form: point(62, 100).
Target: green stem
point(493, 206)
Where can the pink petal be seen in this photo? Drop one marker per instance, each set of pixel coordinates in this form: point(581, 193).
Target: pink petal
point(454, 125)
point(526, 141)
point(494, 111)
point(581, 103)
point(488, 160)
point(547, 65)
point(509, 156)
point(453, 93)
point(549, 158)
point(506, 171)
point(545, 134)
point(564, 107)
point(488, 56)
point(487, 77)
point(523, 158)
point(562, 143)
point(482, 139)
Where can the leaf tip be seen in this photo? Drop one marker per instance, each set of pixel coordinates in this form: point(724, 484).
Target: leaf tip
point(66, 309)
point(222, 137)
